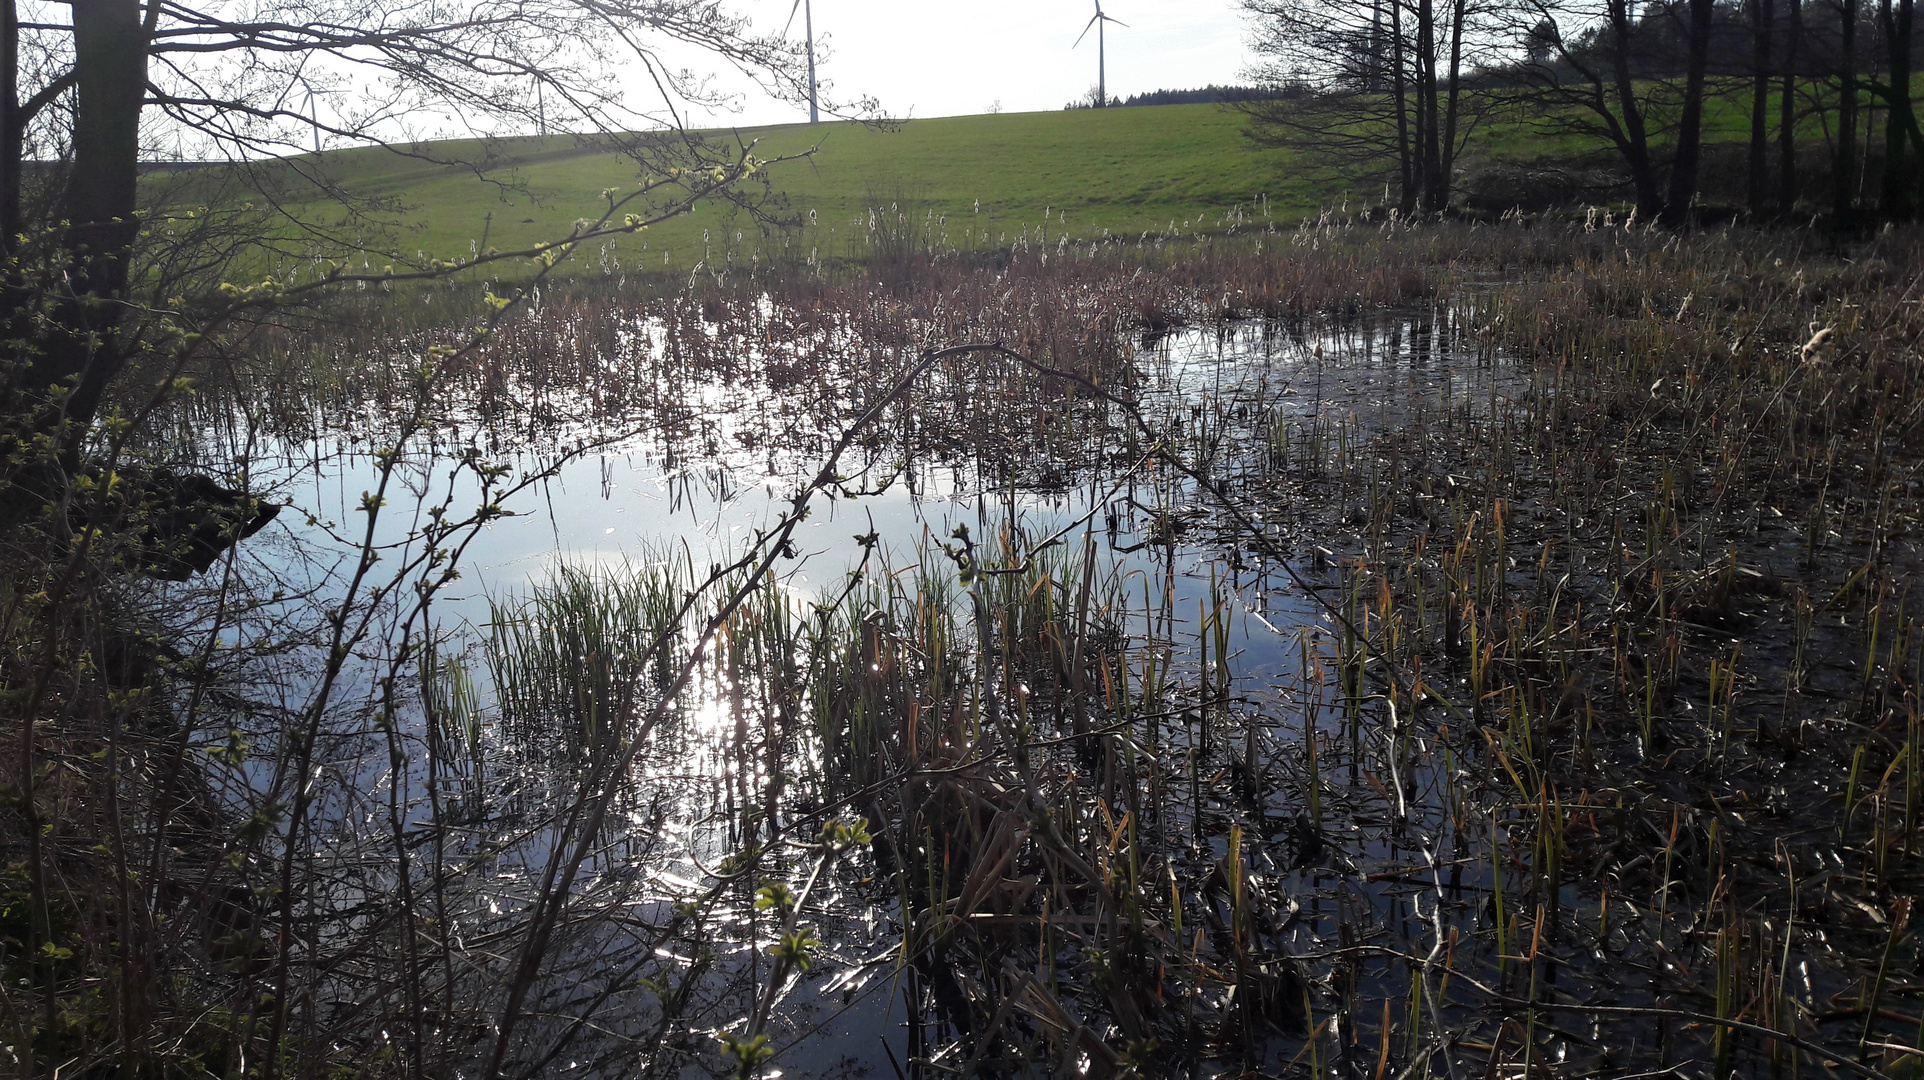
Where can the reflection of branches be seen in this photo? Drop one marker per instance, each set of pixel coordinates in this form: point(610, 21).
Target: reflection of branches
point(346, 629)
point(291, 793)
point(579, 828)
point(964, 554)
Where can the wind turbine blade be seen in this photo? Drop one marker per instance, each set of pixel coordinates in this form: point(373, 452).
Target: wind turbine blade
point(1118, 22)
point(1085, 30)
point(791, 17)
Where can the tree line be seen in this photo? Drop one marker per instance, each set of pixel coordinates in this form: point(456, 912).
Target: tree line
point(1206, 95)
point(1399, 91)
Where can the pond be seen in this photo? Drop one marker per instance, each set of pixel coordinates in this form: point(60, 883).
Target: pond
point(1092, 688)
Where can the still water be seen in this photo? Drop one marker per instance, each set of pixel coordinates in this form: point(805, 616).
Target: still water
point(623, 493)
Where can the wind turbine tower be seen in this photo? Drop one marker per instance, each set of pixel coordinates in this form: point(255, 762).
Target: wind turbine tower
point(807, 8)
point(1102, 53)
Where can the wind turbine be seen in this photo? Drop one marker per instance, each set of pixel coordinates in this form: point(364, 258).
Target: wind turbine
point(1102, 53)
point(807, 8)
point(313, 116)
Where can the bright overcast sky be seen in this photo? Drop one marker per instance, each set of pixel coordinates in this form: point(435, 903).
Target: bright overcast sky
point(923, 58)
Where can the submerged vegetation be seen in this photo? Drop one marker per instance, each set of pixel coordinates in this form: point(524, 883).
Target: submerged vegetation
point(1356, 649)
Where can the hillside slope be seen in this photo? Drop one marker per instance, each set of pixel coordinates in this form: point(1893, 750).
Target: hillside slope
point(1163, 168)
point(971, 181)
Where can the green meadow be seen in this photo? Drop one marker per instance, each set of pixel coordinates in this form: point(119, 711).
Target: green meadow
point(973, 182)
point(982, 179)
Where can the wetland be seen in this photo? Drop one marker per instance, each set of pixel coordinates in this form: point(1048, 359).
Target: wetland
point(1366, 649)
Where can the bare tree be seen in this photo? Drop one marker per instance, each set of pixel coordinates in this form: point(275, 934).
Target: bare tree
point(1588, 70)
point(1374, 86)
point(1762, 14)
point(1689, 142)
point(1844, 148)
point(1787, 111)
point(1902, 140)
point(250, 80)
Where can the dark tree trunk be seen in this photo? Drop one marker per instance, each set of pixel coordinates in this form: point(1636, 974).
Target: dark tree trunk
point(1426, 58)
point(1762, 14)
point(110, 66)
point(1844, 168)
point(1899, 199)
point(1636, 140)
point(1787, 114)
point(66, 355)
point(1683, 171)
point(1406, 199)
point(1448, 165)
point(11, 143)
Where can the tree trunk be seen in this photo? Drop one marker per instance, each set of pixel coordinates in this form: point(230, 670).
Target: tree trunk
point(1636, 143)
point(1448, 164)
point(1762, 14)
point(11, 141)
point(1899, 199)
point(1787, 114)
point(1399, 89)
point(1426, 58)
point(1844, 167)
point(1683, 171)
point(110, 65)
point(71, 351)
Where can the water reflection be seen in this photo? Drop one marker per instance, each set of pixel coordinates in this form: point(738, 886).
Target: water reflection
point(746, 758)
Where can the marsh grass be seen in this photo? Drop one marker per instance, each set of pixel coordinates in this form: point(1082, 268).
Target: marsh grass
point(573, 663)
point(1593, 497)
point(1594, 507)
point(1560, 559)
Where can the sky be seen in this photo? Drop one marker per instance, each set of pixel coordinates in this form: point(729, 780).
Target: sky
point(922, 58)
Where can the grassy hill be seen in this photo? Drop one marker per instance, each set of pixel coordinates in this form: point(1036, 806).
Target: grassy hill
point(1124, 171)
point(988, 179)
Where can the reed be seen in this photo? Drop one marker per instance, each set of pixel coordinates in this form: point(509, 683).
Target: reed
point(572, 664)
